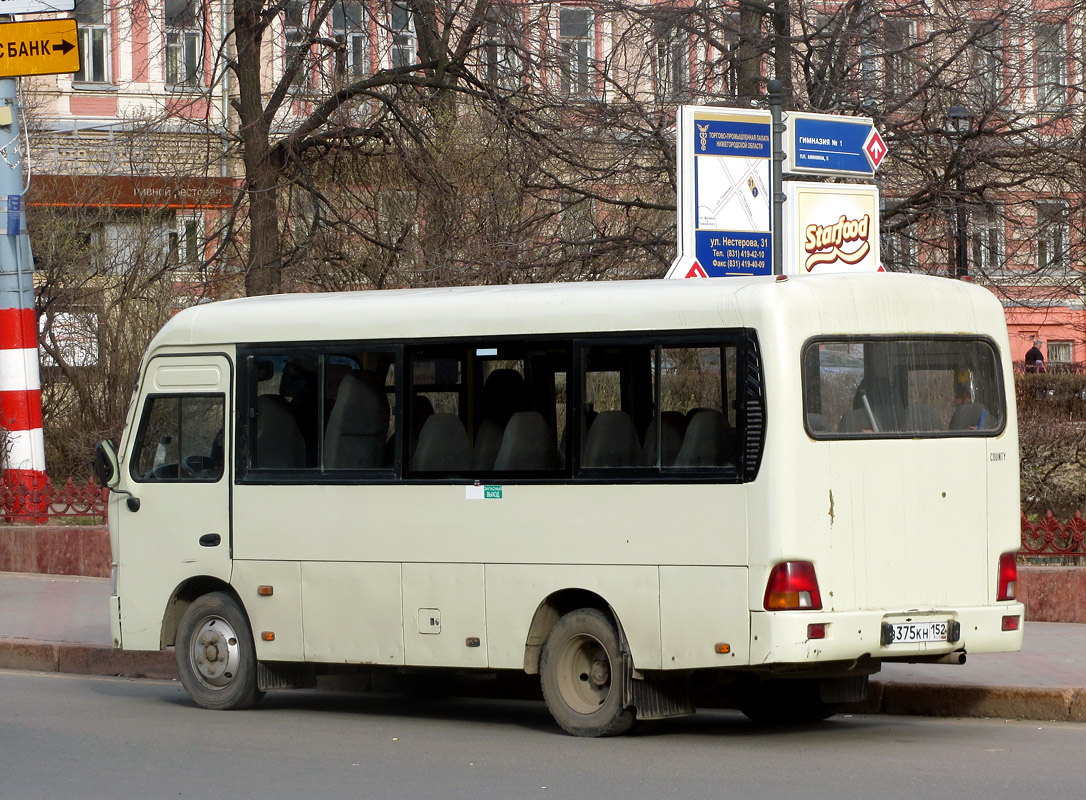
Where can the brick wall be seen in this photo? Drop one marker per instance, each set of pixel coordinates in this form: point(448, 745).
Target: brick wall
point(55, 549)
point(1053, 594)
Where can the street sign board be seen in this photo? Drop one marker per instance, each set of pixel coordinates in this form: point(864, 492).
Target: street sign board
point(829, 144)
point(831, 227)
point(35, 6)
point(724, 200)
point(41, 47)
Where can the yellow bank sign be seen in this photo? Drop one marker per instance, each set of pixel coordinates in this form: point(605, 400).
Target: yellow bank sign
point(41, 47)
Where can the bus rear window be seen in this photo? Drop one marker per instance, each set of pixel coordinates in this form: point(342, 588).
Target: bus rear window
point(902, 387)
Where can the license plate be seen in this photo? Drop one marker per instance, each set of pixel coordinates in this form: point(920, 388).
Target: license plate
point(909, 632)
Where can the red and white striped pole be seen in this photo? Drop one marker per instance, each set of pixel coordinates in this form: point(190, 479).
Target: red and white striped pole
point(22, 442)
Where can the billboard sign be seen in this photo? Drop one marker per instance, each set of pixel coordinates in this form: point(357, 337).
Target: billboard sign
point(833, 227)
point(724, 198)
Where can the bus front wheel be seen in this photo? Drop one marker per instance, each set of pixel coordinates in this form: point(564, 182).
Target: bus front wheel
point(216, 659)
point(581, 670)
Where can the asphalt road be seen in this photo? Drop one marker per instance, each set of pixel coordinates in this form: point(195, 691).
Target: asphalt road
point(64, 736)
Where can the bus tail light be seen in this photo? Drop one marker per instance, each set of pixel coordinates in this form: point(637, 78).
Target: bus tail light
point(792, 585)
point(1008, 577)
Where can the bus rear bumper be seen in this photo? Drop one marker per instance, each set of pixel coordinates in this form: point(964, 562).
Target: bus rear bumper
point(805, 637)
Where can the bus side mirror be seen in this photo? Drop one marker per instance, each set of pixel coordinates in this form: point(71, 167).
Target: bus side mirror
point(106, 467)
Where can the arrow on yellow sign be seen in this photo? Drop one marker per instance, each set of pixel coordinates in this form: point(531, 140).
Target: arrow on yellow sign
point(41, 47)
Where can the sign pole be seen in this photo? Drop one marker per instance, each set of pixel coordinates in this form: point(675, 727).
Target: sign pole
point(775, 90)
point(23, 442)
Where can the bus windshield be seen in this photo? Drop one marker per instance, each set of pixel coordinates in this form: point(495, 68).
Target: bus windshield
point(902, 387)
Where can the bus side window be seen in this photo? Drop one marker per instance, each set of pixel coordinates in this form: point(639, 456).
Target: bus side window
point(180, 440)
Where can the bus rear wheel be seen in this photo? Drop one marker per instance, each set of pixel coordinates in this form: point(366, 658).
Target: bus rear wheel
point(216, 659)
point(582, 673)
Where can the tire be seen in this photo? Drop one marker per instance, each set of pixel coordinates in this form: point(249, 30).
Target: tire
point(216, 659)
point(582, 673)
point(783, 702)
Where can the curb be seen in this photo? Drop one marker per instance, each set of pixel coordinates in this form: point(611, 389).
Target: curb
point(907, 699)
point(86, 659)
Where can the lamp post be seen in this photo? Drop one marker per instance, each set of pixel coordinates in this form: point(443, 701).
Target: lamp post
point(959, 124)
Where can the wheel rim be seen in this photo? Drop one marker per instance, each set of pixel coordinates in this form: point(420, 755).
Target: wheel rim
point(215, 652)
point(584, 674)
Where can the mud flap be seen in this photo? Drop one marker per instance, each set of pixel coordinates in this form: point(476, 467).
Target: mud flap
point(843, 690)
point(657, 696)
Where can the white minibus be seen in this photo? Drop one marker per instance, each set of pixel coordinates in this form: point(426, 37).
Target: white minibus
point(772, 485)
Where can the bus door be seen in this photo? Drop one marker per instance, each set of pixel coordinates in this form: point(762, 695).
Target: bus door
point(176, 524)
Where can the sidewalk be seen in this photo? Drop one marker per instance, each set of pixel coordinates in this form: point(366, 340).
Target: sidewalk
point(57, 623)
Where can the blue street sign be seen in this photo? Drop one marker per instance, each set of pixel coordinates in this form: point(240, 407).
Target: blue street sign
point(724, 253)
point(15, 205)
point(823, 144)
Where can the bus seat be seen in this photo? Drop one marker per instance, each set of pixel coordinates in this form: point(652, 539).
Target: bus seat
point(443, 445)
point(818, 423)
point(528, 444)
point(358, 426)
point(708, 441)
point(504, 394)
point(279, 441)
point(922, 417)
point(673, 426)
point(969, 417)
point(611, 442)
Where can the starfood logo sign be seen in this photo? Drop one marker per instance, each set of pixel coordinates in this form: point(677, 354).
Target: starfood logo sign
point(832, 227)
point(845, 241)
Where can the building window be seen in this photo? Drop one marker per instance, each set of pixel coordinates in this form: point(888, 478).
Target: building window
point(899, 40)
point(1059, 352)
point(671, 59)
point(1050, 63)
point(576, 51)
point(184, 242)
point(1053, 234)
point(900, 250)
point(404, 42)
point(502, 47)
point(349, 29)
point(987, 61)
point(94, 46)
point(296, 35)
point(184, 43)
point(987, 240)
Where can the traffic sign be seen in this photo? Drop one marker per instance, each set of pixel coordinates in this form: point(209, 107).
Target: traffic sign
point(875, 148)
point(829, 144)
point(35, 6)
point(41, 47)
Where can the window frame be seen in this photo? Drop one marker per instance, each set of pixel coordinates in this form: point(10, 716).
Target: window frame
point(1052, 235)
point(750, 411)
point(94, 43)
point(246, 394)
point(998, 381)
point(138, 444)
point(579, 84)
point(1050, 65)
point(187, 33)
point(346, 31)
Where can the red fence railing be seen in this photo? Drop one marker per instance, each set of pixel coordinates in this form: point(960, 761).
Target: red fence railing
point(1047, 536)
point(47, 503)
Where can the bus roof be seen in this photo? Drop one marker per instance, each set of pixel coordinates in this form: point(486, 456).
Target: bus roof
point(808, 305)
